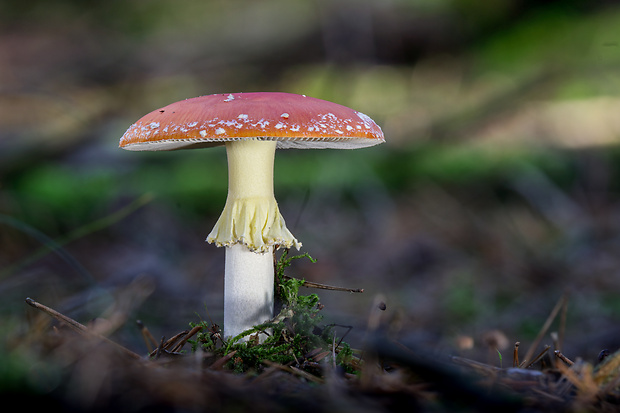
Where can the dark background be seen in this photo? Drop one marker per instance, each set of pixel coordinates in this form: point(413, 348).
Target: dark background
point(495, 193)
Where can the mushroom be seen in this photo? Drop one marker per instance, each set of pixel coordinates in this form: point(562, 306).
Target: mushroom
point(251, 126)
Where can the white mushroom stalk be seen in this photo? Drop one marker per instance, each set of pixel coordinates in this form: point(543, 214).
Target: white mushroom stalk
point(250, 227)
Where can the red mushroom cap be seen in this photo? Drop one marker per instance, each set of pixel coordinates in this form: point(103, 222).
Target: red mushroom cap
point(295, 121)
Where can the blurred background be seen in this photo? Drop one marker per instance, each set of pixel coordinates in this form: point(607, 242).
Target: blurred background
point(495, 194)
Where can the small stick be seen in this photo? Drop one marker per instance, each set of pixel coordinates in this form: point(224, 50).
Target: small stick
point(149, 340)
point(334, 351)
point(74, 325)
point(80, 328)
point(172, 340)
point(538, 357)
point(171, 346)
point(218, 364)
point(559, 305)
point(349, 328)
point(189, 335)
point(515, 355)
point(562, 357)
point(305, 375)
point(294, 370)
point(160, 347)
point(475, 365)
point(562, 327)
point(311, 284)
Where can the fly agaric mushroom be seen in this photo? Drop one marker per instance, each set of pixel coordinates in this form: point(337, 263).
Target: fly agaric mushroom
point(251, 126)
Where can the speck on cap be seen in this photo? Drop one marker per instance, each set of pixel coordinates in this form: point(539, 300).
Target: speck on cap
point(294, 121)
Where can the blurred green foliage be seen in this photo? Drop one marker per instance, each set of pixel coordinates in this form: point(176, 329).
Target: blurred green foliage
point(197, 180)
point(556, 38)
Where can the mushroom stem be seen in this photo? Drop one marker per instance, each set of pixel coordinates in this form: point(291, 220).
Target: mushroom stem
point(250, 169)
point(250, 227)
point(248, 289)
point(251, 215)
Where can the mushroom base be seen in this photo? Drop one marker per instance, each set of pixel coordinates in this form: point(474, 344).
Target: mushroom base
point(248, 289)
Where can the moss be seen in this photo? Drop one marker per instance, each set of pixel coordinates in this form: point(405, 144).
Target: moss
point(294, 335)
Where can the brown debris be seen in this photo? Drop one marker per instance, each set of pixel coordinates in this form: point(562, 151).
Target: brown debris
point(96, 376)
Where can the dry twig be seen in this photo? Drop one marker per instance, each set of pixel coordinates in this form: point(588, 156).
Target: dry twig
point(80, 328)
